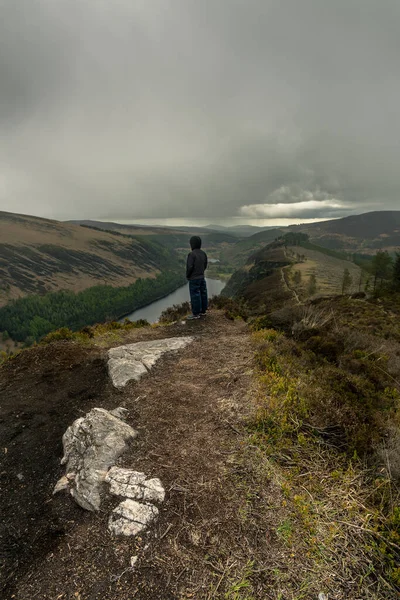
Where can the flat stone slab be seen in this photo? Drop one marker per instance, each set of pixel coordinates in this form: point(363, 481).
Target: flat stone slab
point(132, 361)
point(131, 517)
point(135, 485)
point(92, 445)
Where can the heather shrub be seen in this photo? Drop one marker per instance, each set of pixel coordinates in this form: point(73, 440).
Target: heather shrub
point(175, 312)
point(233, 308)
point(347, 376)
point(60, 334)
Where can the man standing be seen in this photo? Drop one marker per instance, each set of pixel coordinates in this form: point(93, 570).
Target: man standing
point(196, 265)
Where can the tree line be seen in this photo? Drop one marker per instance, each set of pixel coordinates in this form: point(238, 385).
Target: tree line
point(29, 319)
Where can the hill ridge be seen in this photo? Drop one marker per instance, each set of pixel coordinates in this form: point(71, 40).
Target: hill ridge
point(42, 255)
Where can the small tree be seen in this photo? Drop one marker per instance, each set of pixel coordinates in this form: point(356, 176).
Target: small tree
point(396, 272)
point(297, 277)
point(312, 285)
point(346, 281)
point(367, 284)
point(381, 264)
point(362, 279)
point(5, 336)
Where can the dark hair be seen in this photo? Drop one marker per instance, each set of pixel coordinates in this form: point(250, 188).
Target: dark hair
point(195, 242)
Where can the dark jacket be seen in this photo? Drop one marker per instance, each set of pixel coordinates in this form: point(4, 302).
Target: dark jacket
point(196, 264)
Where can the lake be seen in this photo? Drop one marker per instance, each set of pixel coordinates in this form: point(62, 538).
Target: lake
point(152, 311)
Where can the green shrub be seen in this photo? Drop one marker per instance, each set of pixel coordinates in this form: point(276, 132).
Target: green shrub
point(60, 334)
point(324, 347)
point(232, 308)
point(87, 331)
point(175, 312)
point(347, 377)
point(112, 326)
point(137, 324)
point(260, 323)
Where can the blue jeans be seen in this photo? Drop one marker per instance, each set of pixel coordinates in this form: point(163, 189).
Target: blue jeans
point(198, 295)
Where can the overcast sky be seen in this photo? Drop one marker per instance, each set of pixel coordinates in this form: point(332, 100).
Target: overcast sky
point(199, 109)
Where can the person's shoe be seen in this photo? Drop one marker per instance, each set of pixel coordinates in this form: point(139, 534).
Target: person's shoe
point(191, 317)
point(203, 314)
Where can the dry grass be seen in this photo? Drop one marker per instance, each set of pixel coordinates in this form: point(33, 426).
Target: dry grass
point(328, 419)
point(310, 318)
point(327, 269)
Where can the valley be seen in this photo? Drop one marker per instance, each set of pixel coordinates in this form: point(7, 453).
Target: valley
point(199, 300)
point(85, 272)
point(275, 432)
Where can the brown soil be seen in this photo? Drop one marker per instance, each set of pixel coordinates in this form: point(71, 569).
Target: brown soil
point(189, 413)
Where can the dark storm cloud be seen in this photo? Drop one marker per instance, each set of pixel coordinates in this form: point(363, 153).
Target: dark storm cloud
point(261, 109)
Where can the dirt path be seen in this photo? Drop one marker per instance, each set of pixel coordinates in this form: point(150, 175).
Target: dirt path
point(285, 282)
point(189, 413)
point(286, 285)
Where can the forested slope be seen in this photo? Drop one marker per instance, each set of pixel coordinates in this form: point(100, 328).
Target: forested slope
point(40, 255)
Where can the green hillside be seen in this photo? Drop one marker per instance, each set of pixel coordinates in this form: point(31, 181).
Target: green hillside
point(38, 256)
point(282, 273)
point(363, 233)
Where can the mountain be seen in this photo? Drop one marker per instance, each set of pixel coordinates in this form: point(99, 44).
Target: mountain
point(41, 255)
point(259, 281)
point(293, 408)
point(360, 234)
point(175, 237)
point(237, 255)
point(131, 229)
point(282, 274)
point(239, 230)
point(364, 233)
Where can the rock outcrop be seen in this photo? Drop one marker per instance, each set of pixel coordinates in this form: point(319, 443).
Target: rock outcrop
point(130, 517)
point(132, 361)
point(92, 445)
point(135, 485)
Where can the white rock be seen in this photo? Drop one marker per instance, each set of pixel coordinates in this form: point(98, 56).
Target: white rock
point(130, 517)
point(62, 484)
point(120, 413)
point(123, 370)
point(133, 560)
point(132, 361)
point(133, 484)
point(92, 444)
